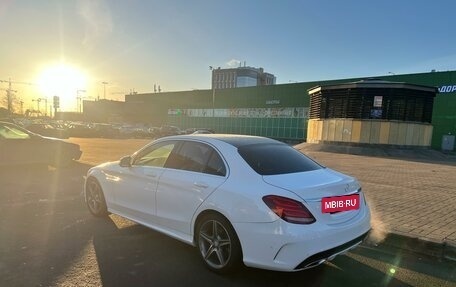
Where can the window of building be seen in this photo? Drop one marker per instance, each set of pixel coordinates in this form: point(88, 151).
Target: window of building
point(243, 81)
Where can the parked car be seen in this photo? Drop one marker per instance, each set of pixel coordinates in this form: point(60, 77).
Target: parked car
point(105, 131)
point(48, 130)
point(82, 130)
point(20, 146)
point(199, 131)
point(203, 131)
point(237, 199)
point(170, 131)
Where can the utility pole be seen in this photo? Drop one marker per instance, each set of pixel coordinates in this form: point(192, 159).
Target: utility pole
point(45, 106)
point(22, 107)
point(38, 101)
point(104, 89)
point(9, 92)
point(10, 98)
point(79, 100)
point(213, 91)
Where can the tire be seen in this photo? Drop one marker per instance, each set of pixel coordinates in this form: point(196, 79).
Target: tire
point(218, 244)
point(95, 199)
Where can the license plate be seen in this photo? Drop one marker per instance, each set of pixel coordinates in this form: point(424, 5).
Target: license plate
point(340, 203)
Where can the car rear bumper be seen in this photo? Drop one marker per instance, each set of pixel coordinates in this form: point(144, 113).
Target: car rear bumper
point(77, 155)
point(282, 246)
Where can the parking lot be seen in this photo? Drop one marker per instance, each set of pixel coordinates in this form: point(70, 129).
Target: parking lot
point(48, 238)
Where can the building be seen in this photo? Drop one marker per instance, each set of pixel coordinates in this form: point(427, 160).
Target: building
point(107, 111)
point(241, 77)
point(371, 112)
point(276, 111)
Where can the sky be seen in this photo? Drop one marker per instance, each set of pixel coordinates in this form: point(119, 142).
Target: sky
point(132, 45)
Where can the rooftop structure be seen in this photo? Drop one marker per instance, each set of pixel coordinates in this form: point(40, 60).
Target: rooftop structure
point(241, 77)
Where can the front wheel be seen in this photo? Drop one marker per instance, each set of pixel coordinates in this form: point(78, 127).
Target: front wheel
point(95, 199)
point(218, 244)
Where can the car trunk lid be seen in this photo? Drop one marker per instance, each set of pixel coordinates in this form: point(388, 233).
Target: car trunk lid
point(314, 185)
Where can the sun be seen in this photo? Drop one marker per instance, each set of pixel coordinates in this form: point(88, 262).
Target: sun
point(64, 81)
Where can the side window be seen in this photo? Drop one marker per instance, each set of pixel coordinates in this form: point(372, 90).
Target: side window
point(215, 165)
point(191, 156)
point(12, 133)
point(198, 157)
point(156, 155)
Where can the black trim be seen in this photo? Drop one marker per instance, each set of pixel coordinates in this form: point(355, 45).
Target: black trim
point(330, 252)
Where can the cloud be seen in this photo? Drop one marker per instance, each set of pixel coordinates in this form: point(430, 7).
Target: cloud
point(233, 63)
point(97, 18)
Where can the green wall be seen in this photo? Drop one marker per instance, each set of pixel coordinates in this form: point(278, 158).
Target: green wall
point(444, 112)
point(264, 97)
point(293, 129)
point(154, 107)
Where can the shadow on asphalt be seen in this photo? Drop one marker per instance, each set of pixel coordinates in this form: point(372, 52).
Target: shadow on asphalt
point(137, 256)
point(42, 226)
point(48, 238)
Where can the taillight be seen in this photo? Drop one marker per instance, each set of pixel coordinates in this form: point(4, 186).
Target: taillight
point(289, 209)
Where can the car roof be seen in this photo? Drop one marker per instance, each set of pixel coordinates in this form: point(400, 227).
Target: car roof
point(234, 140)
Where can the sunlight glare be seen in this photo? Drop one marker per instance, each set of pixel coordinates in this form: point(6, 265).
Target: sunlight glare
point(63, 81)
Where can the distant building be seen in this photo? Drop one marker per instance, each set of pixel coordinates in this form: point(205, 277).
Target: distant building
point(107, 111)
point(241, 77)
point(3, 112)
point(284, 111)
point(371, 111)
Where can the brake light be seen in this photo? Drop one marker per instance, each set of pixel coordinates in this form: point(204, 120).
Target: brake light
point(289, 209)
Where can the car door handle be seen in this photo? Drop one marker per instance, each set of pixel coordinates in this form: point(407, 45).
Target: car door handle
point(152, 174)
point(201, 184)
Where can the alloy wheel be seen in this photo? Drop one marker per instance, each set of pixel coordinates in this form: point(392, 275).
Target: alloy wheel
point(215, 244)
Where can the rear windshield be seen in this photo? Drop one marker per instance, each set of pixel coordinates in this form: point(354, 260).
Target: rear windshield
point(272, 159)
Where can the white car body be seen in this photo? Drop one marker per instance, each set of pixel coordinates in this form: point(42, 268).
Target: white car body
point(171, 200)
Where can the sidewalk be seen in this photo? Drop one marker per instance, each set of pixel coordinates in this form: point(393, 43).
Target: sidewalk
point(412, 194)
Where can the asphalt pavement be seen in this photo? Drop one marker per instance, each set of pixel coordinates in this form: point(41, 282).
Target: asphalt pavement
point(411, 192)
point(48, 238)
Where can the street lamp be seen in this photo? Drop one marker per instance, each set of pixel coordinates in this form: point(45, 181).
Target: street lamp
point(79, 100)
point(213, 91)
point(38, 101)
point(45, 106)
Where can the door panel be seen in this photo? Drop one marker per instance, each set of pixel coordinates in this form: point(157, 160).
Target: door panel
point(135, 192)
point(192, 173)
point(180, 193)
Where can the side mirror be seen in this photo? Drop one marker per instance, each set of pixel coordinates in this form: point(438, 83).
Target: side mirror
point(125, 161)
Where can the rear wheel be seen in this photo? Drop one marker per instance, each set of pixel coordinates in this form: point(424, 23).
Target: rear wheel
point(218, 244)
point(95, 199)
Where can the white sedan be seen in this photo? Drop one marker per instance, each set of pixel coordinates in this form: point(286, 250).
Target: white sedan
point(237, 199)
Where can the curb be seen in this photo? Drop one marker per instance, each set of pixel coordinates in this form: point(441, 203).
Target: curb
point(442, 250)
